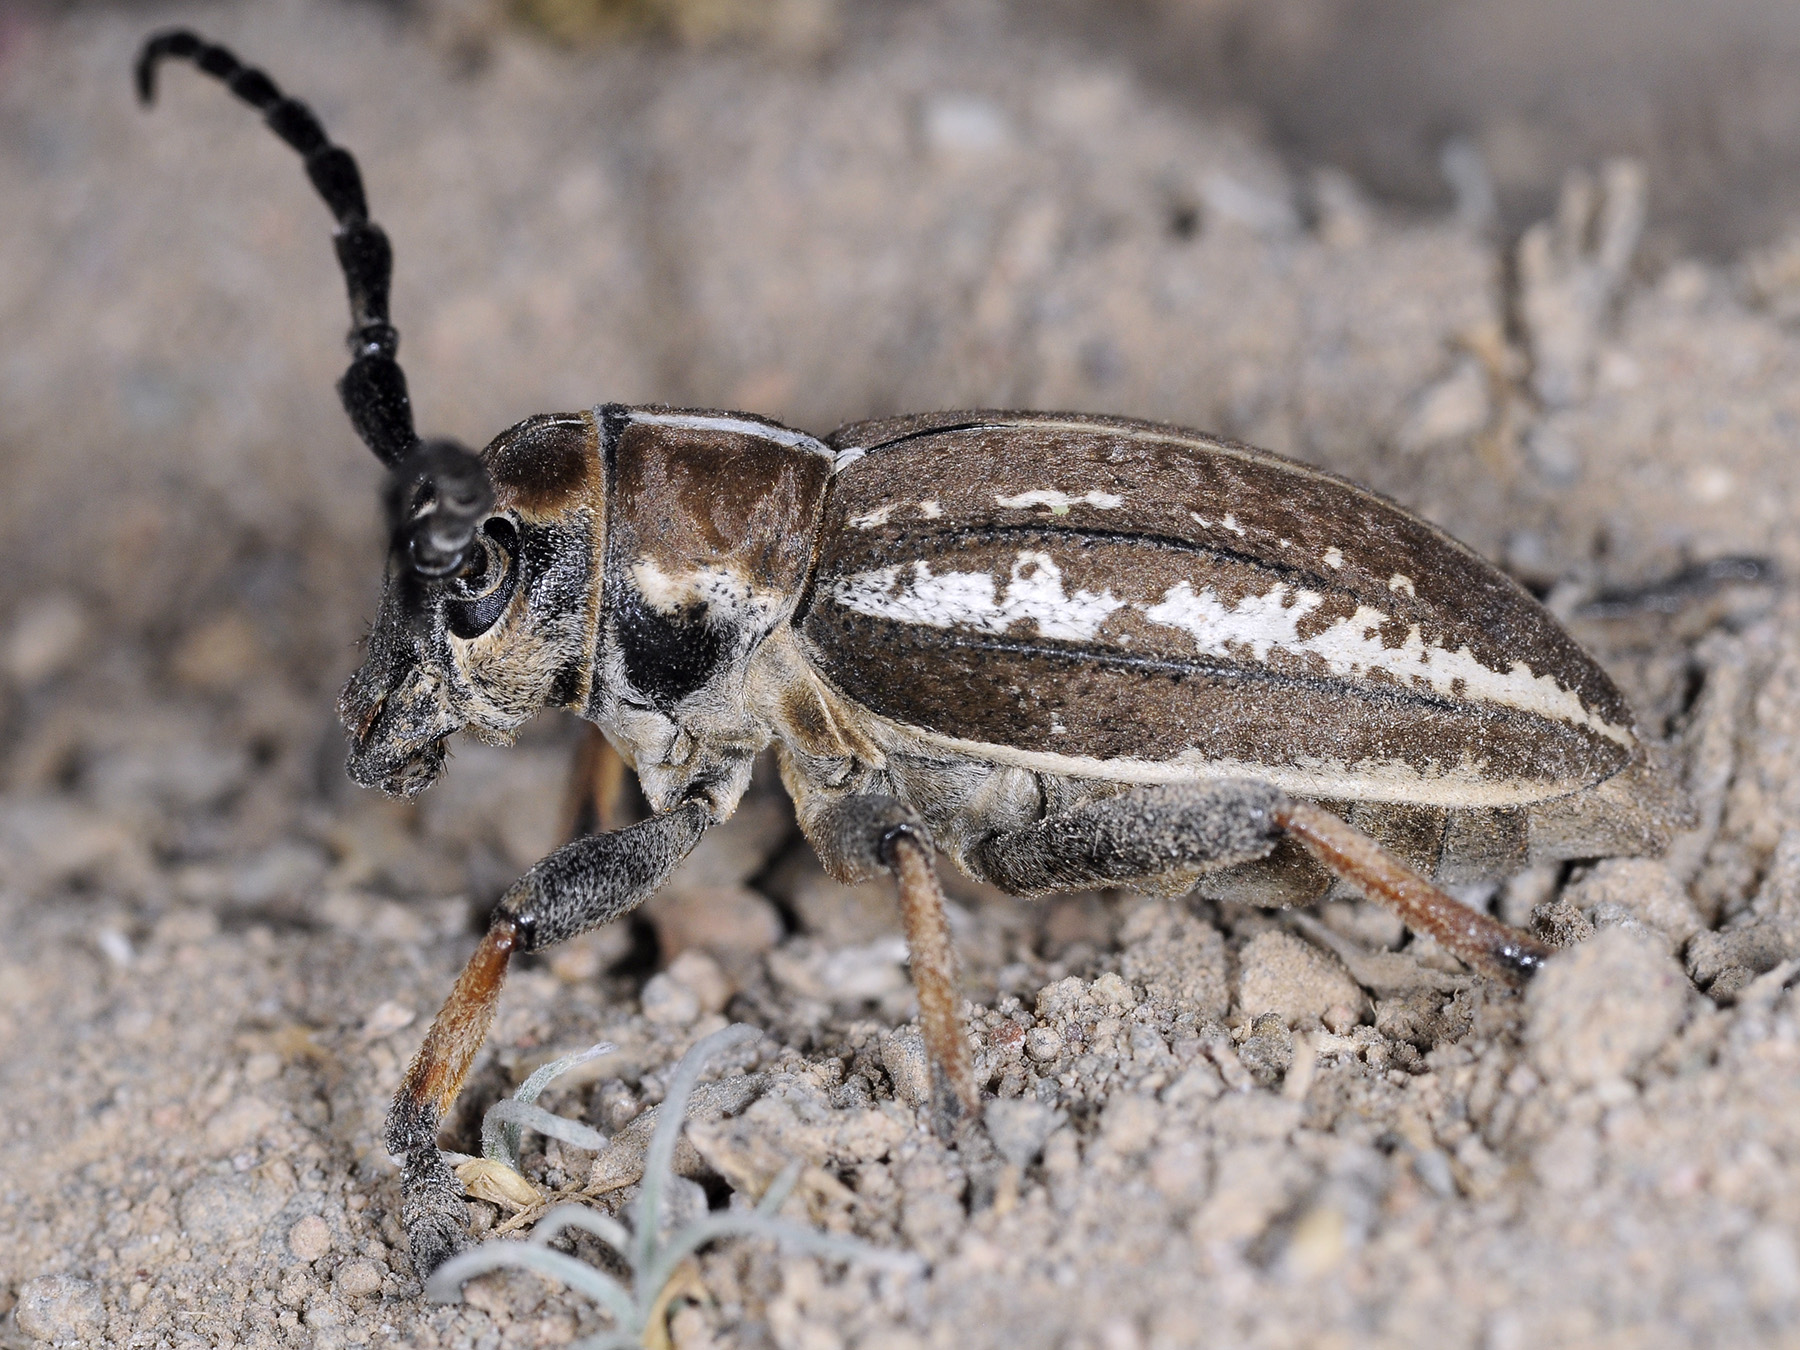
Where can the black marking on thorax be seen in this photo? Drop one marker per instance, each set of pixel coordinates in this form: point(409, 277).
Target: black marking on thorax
point(666, 656)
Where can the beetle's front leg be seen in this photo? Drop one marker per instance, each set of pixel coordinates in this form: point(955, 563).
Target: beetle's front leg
point(580, 886)
point(860, 838)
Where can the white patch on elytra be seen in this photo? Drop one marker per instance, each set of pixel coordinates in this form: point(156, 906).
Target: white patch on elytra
point(1035, 591)
point(1060, 502)
point(1259, 622)
point(1401, 584)
point(1353, 647)
point(1334, 557)
point(874, 520)
point(871, 520)
point(1227, 522)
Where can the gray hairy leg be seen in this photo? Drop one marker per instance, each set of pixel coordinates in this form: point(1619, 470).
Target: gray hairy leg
point(1145, 833)
point(860, 838)
point(1150, 831)
point(578, 887)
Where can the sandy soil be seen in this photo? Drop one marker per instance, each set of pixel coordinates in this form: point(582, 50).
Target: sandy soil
point(1212, 1126)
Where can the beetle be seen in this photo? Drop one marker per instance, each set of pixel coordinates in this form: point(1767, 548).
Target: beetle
point(1060, 650)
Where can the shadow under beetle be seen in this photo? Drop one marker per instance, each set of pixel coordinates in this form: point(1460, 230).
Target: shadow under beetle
point(1064, 651)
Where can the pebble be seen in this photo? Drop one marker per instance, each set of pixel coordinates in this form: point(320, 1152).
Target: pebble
point(60, 1308)
point(46, 635)
point(228, 1209)
point(670, 1003)
point(1128, 1124)
point(358, 1279)
point(1642, 888)
point(696, 971)
point(1043, 1044)
point(309, 1238)
point(1177, 957)
point(1601, 1009)
point(1019, 1126)
point(1285, 975)
point(903, 1056)
point(727, 921)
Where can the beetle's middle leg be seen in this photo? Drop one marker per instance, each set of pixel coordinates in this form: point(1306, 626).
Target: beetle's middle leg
point(580, 886)
point(859, 838)
point(1151, 831)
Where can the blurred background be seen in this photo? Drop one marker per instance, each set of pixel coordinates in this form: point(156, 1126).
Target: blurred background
point(1532, 267)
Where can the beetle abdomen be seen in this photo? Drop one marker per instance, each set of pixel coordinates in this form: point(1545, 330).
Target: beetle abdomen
point(1139, 602)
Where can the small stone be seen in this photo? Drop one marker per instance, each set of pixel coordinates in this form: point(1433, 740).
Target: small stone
point(730, 922)
point(1643, 888)
point(585, 957)
point(1129, 1123)
point(837, 914)
point(1111, 991)
point(1268, 1050)
point(1730, 982)
point(46, 636)
point(1019, 1126)
point(1043, 1044)
point(903, 1056)
point(60, 1308)
point(1285, 975)
point(1754, 948)
point(669, 1003)
point(358, 1279)
point(698, 972)
point(1559, 923)
point(309, 1238)
point(1177, 957)
point(240, 1123)
point(1603, 1008)
point(1056, 999)
point(225, 1210)
point(1340, 1018)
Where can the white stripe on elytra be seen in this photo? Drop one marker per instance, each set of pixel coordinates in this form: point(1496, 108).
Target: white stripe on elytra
point(913, 594)
point(739, 426)
point(1060, 502)
point(1353, 646)
point(1350, 647)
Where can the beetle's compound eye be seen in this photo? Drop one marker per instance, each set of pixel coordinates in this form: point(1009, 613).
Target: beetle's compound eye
point(477, 596)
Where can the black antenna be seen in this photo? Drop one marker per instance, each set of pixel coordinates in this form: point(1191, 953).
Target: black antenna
point(443, 490)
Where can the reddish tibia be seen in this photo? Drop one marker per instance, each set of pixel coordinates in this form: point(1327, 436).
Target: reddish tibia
point(1491, 947)
point(932, 956)
point(437, 1072)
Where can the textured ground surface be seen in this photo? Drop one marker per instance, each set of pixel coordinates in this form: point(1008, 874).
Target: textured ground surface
point(1215, 1126)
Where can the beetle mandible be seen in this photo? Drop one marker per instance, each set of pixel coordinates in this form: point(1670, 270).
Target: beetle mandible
point(1060, 650)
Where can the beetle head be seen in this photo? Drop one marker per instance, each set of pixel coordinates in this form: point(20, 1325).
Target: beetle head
point(487, 612)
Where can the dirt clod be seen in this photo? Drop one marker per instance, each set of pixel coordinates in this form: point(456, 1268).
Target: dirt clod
point(1599, 1011)
point(1289, 977)
point(60, 1308)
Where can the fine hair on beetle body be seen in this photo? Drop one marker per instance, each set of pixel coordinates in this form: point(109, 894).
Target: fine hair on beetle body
point(1056, 651)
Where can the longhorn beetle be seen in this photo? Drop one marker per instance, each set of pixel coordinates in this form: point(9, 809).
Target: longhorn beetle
point(1061, 650)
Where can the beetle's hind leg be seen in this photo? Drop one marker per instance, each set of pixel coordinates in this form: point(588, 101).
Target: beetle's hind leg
point(1486, 944)
point(1150, 832)
point(860, 838)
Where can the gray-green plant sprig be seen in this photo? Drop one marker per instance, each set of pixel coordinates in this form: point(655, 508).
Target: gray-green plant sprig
point(651, 1257)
